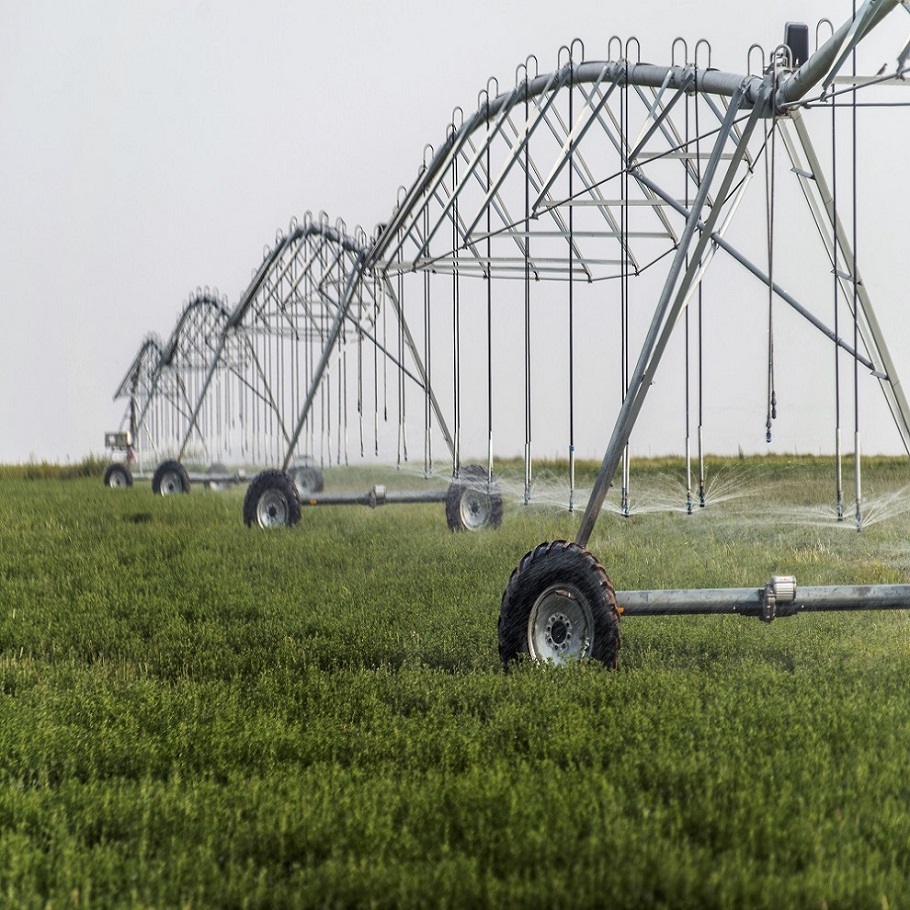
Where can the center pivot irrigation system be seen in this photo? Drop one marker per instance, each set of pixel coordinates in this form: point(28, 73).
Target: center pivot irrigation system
point(551, 197)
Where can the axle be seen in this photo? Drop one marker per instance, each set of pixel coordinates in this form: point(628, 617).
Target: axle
point(377, 496)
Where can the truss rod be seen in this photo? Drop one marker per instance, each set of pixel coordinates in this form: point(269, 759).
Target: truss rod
point(717, 239)
point(424, 382)
point(667, 309)
point(869, 329)
point(328, 347)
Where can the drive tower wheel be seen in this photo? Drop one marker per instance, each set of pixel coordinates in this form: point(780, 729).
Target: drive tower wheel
point(307, 476)
point(170, 477)
point(473, 501)
point(118, 474)
point(271, 501)
point(559, 605)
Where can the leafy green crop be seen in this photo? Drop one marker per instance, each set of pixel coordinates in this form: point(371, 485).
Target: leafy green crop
point(196, 714)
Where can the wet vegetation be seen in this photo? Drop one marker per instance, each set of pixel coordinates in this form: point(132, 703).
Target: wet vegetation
point(197, 714)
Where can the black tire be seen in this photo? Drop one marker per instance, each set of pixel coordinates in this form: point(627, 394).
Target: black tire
point(559, 605)
point(118, 474)
point(271, 501)
point(472, 501)
point(307, 477)
point(170, 477)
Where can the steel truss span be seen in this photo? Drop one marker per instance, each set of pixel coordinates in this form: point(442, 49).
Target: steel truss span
point(605, 171)
point(160, 385)
point(303, 365)
point(602, 192)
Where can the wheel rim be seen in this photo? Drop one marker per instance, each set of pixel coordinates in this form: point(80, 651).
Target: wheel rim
point(304, 481)
point(474, 509)
point(171, 483)
point(561, 625)
point(272, 510)
point(117, 479)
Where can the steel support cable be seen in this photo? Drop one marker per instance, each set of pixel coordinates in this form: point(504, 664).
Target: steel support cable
point(456, 326)
point(770, 161)
point(402, 406)
point(339, 388)
point(286, 339)
point(256, 411)
point(701, 336)
point(856, 305)
point(489, 277)
point(838, 453)
point(527, 315)
point(309, 363)
point(375, 390)
point(624, 282)
point(427, 409)
point(686, 364)
point(571, 303)
point(326, 384)
point(379, 302)
point(242, 420)
point(276, 372)
point(294, 327)
point(323, 266)
point(360, 385)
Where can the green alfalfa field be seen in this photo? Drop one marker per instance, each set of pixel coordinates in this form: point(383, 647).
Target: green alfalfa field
point(196, 714)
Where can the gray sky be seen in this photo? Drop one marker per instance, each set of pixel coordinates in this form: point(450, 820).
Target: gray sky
point(152, 147)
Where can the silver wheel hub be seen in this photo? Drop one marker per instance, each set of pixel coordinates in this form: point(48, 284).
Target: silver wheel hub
point(171, 483)
point(117, 479)
point(475, 509)
point(561, 625)
point(272, 509)
point(304, 481)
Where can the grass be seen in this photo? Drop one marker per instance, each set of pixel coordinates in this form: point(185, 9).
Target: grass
point(92, 466)
point(196, 714)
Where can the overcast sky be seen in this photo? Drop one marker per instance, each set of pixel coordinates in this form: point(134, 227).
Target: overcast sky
point(152, 146)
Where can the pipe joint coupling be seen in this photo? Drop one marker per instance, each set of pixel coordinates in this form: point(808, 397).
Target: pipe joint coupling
point(780, 592)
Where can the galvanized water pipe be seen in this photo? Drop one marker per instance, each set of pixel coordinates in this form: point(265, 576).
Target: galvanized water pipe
point(779, 597)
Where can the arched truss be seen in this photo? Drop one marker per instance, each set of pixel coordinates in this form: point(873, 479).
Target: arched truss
point(164, 379)
point(604, 171)
point(138, 387)
point(567, 186)
point(289, 347)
